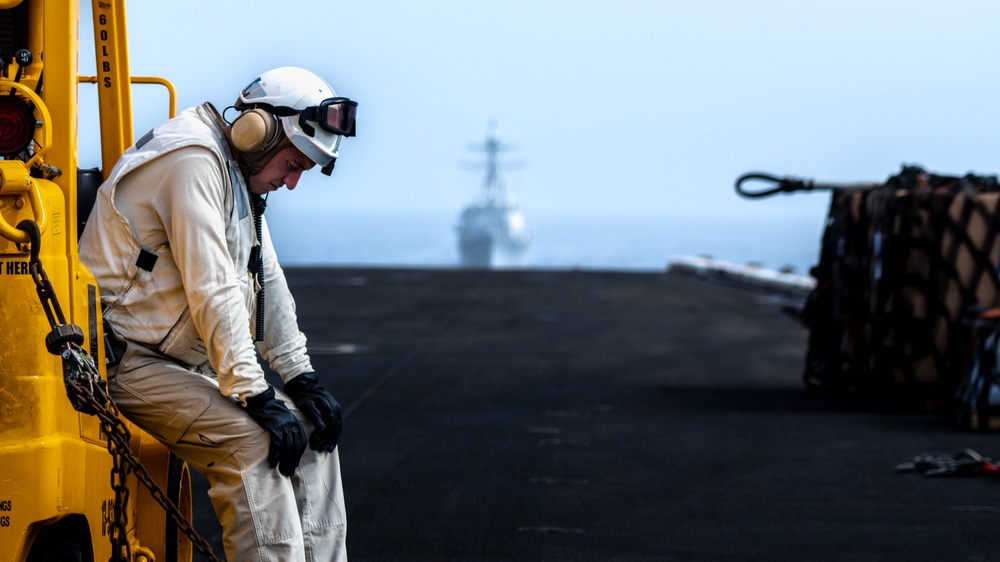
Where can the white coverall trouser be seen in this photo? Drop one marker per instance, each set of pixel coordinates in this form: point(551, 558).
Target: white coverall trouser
point(186, 411)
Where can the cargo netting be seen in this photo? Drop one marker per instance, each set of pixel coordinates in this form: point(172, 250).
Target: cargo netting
point(905, 271)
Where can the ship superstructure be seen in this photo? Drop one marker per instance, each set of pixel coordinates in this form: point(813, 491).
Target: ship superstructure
point(492, 231)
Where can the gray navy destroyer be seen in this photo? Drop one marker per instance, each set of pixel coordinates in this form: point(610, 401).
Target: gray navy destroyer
point(492, 231)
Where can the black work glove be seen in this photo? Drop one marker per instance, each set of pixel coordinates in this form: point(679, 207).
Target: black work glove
point(288, 439)
point(320, 407)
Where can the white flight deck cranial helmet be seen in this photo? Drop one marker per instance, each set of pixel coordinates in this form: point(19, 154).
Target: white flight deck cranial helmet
point(312, 117)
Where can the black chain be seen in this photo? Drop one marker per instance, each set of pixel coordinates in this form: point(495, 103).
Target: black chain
point(118, 443)
point(87, 392)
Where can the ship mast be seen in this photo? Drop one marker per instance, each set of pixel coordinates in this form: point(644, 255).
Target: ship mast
point(494, 191)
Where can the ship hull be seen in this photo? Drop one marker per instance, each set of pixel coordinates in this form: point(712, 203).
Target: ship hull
point(492, 236)
point(489, 252)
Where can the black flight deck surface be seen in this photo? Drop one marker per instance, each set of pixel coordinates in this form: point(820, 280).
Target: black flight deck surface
point(602, 416)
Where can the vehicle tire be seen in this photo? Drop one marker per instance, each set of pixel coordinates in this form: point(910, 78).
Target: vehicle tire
point(173, 492)
point(177, 546)
point(69, 552)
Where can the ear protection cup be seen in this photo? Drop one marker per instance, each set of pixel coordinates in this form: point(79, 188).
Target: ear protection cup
point(253, 129)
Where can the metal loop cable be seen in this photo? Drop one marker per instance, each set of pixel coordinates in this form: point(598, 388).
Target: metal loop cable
point(788, 184)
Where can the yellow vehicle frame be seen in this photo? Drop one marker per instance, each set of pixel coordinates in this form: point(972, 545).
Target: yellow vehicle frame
point(55, 469)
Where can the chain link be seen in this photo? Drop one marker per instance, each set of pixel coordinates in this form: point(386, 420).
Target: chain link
point(118, 444)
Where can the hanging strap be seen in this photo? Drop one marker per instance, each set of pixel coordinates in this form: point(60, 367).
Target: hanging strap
point(256, 265)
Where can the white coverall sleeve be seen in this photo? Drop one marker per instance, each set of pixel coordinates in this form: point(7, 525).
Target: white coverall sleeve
point(194, 215)
point(284, 345)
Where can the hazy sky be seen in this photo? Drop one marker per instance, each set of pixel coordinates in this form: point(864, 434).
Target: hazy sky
point(614, 105)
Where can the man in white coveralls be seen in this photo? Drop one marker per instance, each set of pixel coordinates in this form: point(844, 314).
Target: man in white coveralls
point(183, 261)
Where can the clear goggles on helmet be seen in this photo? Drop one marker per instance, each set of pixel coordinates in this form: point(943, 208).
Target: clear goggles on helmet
point(336, 115)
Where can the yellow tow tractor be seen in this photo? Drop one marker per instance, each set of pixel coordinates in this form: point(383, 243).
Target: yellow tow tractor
point(75, 479)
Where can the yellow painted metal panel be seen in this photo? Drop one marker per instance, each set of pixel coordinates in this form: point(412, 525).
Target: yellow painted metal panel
point(114, 96)
point(54, 463)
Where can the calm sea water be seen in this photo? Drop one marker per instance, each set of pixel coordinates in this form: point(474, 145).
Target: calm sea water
point(428, 239)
